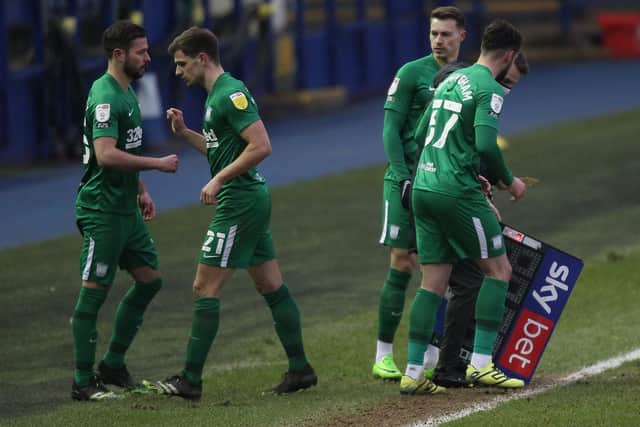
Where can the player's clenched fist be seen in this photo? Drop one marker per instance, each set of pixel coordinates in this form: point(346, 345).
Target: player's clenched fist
point(517, 188)
point(168, 163)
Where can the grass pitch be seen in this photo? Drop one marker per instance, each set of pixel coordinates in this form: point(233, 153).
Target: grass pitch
point(326, 234)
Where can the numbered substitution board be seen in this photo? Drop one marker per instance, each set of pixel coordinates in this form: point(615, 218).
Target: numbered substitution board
point(542, 281)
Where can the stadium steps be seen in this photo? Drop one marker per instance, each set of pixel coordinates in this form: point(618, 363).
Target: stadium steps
point(309, 101)
point(541, 26)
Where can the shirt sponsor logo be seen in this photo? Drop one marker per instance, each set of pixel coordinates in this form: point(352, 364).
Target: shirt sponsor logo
point(427, 167)
point(134, 144)
point(134, 138)
point(103, 112)
point(239, 100)
point(210, 138)
point(496, 103)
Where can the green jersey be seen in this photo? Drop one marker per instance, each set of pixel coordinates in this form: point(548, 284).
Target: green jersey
point(111, 112)
point(229, 109)
point(409, 94)
point(450, 161)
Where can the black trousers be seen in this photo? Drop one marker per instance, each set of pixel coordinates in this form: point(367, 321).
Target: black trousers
point(464, 285)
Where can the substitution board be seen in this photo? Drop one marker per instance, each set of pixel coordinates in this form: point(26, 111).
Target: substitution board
point(542, 281)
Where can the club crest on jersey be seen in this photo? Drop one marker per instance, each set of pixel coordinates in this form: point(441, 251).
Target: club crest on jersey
point(101, 269)
point(496, 103)
point(207, 115)
point(239, 100)
point(103, 112)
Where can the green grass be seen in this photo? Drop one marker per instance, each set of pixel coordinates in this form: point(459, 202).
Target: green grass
point(326, 234)
point(608, 399)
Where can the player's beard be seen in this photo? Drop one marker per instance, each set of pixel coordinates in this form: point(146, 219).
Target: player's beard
point(502, 74)
point(134, 72)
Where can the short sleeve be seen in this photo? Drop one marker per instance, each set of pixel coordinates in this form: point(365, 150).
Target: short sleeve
point(488, 108)
point(400, 91)
point(104, 117)
point(240, 109)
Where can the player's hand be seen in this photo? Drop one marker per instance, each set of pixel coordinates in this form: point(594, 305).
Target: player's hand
point(147, 207)
point(176, 120)
point(405, 192)
point(168, 163)
point(517, 189)
point(210, 191)
point(485, 185)
point(494, 209)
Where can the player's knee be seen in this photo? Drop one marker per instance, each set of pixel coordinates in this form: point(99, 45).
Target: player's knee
point(199, 288)
point(267, 286)
point(404, 261)
point(502, 271)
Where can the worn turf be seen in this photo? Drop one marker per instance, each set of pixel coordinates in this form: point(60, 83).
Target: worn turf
point(326, 232)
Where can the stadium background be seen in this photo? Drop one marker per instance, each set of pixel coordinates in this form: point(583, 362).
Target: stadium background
point(319, 69)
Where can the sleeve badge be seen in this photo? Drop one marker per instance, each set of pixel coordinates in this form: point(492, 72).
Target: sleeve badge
point(239, 100)
point(496, 103)
point(103, 112)
point(394, 86)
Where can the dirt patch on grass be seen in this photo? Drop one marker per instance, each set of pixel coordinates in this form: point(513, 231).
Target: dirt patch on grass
point(404, 410)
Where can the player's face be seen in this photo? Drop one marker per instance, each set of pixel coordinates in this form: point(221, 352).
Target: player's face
point(187, 68)
point(510, 79)
point(137, 58)
point(445, 38)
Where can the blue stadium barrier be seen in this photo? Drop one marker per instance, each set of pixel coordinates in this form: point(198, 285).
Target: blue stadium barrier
point(357, 51)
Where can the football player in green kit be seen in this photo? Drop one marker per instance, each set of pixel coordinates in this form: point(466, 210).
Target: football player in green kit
point(111, 207)
point(235, 141)
point(408, 96)
point(453, 219)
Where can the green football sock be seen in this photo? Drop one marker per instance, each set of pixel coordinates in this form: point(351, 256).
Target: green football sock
point(286, 318)
point(206, 317)
point(489, 314)
point(128, 320)
point(391, 304)
point(422, 320)
point(85, 334)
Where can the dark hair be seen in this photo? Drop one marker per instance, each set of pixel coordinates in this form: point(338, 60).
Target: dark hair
point(521, 63)
point(119, 35)
point(500, 35)
point(196, 40)
point(448, 12)
point(445, 71)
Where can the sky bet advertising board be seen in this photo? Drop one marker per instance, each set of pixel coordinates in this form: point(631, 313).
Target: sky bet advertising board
point(542, 281)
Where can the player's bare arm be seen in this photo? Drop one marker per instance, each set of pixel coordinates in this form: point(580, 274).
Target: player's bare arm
point(195, 139)
point(109, 156)
point(145, 202)
point(258, 148)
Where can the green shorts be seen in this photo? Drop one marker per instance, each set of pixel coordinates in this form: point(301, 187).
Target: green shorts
point(450, 228)
point(239, 235)
point(110, 241)
point(397, 225)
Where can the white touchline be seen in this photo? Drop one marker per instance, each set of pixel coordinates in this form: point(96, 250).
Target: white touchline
point(589, 371)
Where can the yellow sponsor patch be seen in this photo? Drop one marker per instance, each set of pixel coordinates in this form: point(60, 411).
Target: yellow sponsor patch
point(239, 100)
